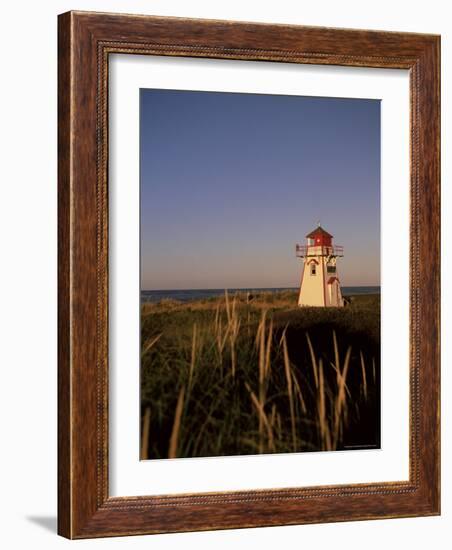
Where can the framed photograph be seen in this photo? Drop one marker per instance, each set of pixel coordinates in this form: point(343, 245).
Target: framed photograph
point(249, 263)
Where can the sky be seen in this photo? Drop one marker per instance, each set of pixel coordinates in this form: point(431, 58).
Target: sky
point(231, 182)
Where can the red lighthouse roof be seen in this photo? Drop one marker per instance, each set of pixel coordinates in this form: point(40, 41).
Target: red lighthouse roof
point(318, 232)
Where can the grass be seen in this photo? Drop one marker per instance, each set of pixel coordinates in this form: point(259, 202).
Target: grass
point(225, 376)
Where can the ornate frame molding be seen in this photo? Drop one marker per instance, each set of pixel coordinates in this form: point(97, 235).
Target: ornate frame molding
point(85, 42)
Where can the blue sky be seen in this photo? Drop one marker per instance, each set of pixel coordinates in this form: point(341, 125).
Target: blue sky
point(230, 182)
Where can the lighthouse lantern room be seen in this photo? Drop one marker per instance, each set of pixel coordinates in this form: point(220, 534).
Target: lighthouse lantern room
point(320, 285)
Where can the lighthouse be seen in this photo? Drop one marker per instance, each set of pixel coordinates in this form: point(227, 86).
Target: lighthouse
point(320, 285)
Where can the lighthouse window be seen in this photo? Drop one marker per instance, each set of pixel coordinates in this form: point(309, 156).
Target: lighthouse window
point(313, 269)
point(331, 269)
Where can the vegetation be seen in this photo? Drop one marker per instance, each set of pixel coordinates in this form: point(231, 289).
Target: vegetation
point(233, 375)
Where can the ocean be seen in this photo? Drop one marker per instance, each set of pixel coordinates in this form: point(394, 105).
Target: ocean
point(201, 294)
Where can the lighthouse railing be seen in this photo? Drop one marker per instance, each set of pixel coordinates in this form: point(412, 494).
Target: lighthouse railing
point(303, 250)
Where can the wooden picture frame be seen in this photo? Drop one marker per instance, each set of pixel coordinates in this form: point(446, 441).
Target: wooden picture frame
point(85, 42)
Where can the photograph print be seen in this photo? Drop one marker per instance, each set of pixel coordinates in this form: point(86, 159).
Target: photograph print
point(260, 274)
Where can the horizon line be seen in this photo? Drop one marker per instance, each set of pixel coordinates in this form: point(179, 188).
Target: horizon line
point(245, 288)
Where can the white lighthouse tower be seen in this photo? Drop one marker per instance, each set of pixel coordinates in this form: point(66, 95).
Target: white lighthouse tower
point(320, 286)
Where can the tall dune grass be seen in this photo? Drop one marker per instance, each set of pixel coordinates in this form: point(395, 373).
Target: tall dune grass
point(240, 378)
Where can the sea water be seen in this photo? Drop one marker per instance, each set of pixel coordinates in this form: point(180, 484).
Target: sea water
point(188, 295)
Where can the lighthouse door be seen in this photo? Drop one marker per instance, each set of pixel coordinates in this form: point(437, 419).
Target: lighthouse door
point(334, 293)
point(332, 287)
